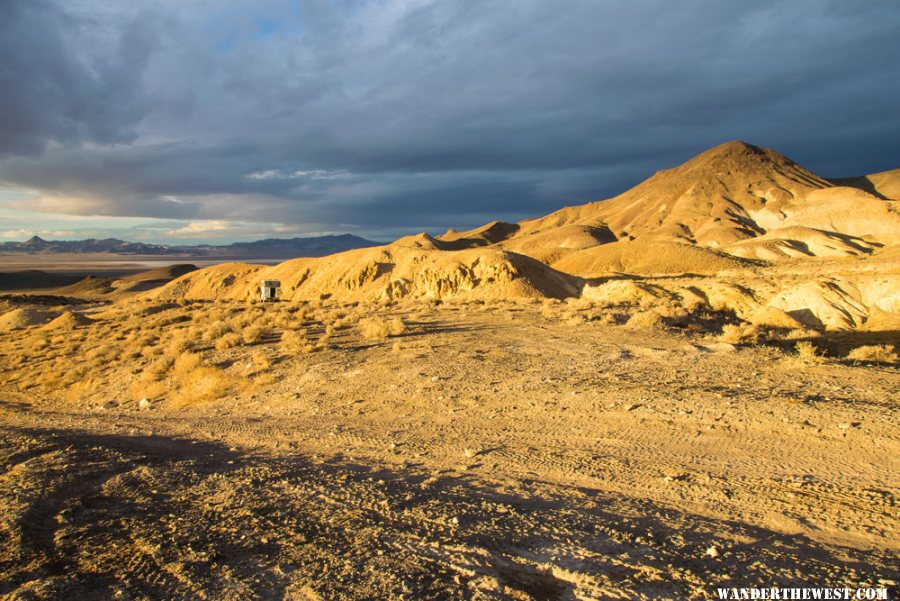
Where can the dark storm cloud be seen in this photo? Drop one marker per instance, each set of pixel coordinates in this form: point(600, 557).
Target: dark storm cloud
point(56, 92)
point(425, 114)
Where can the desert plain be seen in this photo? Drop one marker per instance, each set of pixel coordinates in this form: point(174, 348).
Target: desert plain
point(690, 386)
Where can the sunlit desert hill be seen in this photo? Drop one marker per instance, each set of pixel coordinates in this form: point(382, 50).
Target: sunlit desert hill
point(737, 228)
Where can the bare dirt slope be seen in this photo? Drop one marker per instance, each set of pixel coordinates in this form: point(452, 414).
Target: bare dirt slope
point(496, 451)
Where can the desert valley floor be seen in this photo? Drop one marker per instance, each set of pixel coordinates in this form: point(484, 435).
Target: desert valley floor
point(489, 450)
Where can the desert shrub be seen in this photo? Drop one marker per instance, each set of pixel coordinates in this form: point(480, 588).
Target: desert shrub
point(377, 327)
point(262, 380)
point(740, 334)
point(293, 341)
point(324, 341)
point(197, 382)
point(151, 351)
point(178, 344)
point(81, 389)
point(809, 353)
point(259, 361)
point(202, 384)
point(645, 319)
point(157, 369)
point(882, 353)
point(227, 341)
point(253, 334)
point(148, 390)
point(579, 304)
point(216, 331)
point(396, 326)
point(607, 318)
point(185, 365)
point(798, 333)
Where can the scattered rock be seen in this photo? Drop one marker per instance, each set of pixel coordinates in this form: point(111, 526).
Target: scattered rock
point(712, 552)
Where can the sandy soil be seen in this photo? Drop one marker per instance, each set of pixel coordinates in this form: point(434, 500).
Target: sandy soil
point(490, 452)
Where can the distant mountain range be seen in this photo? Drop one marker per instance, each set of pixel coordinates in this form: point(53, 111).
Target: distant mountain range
point(272, 248)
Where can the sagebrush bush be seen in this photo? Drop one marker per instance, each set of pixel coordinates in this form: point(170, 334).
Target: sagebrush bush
point(227, 341)
point(377, 327)
point(881, 353)
point(196, 382)
point(259, 361)
point(185, 365)
point(646, 319)
point(202, 384)
point(293, 341)
point(253, 334)
point(216, 331)
point(809, 353)
point(740, 334)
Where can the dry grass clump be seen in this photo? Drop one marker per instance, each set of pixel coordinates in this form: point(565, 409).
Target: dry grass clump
point(740, 334)
point(227, 341)
point(880, 353)
point(808, 353)
point(295, 341)
point(253, 334)
point(260, 362)
point(179, 343)
point(375, 328)
point(81, 389)
point(198, 383)
point(216, 331)
point(646, 319)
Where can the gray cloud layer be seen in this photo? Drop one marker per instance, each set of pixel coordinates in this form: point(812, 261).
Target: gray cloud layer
point(398, 114)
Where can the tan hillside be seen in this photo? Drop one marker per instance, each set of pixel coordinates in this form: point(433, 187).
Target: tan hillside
point(68, 320)
point(747, 201)
point(93, 286)
point(647, 257)
point(384, 273)
point(492, 233)
point(706, 201)
point(885, 184)
point(23, 317)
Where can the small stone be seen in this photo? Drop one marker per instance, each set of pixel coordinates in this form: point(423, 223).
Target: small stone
point(712, 552)
point(144, 404)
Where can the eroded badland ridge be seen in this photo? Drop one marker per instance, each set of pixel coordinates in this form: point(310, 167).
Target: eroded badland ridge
point(692, 384)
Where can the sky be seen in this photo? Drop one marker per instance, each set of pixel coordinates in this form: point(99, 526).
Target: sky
point(197, 121)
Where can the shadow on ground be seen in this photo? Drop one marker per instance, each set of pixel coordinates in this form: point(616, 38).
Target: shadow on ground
point(116, 516)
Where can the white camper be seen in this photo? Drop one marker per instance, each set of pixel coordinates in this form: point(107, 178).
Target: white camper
point(269, 290)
